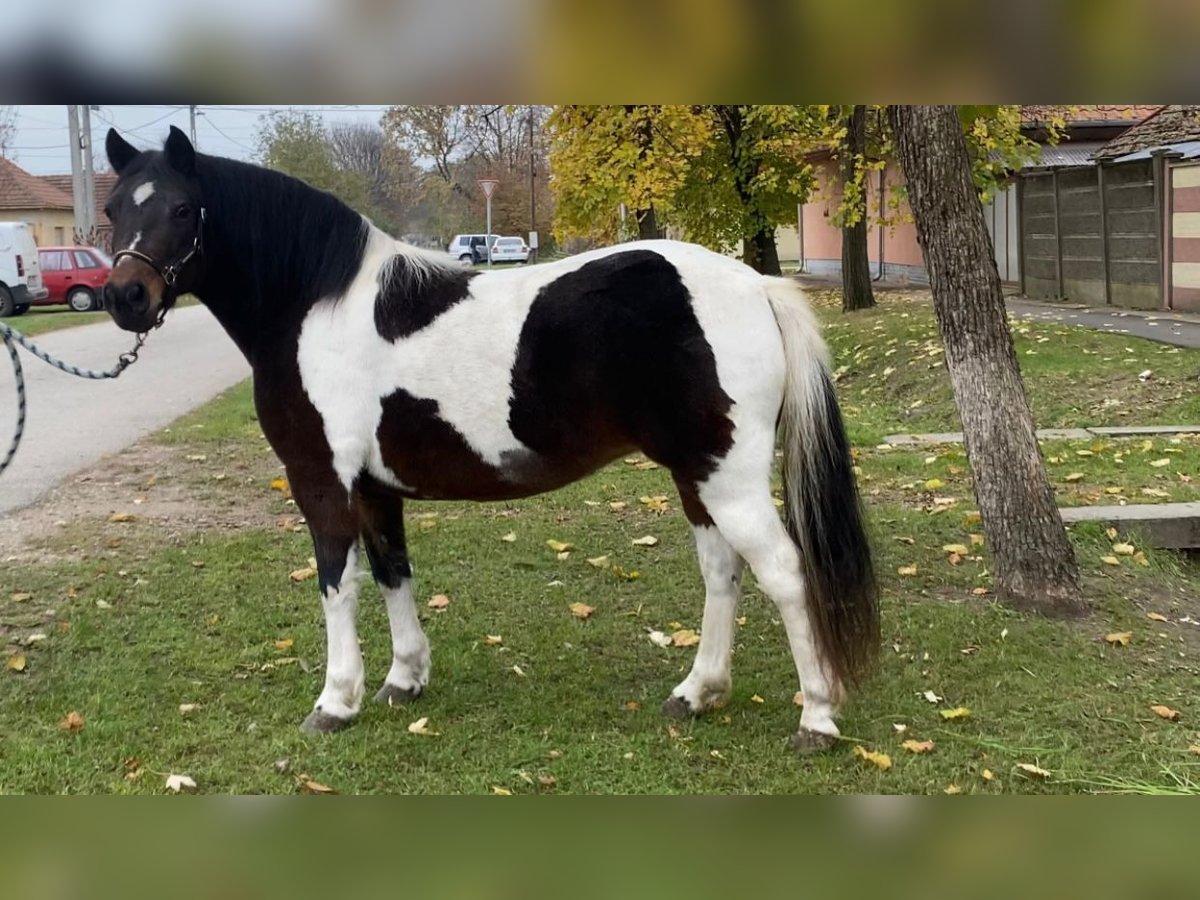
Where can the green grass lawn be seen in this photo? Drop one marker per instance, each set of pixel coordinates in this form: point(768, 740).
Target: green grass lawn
point(137, 618)
point(41, 319)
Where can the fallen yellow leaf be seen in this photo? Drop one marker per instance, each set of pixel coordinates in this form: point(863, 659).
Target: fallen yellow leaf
point(754, 698)
point(72, 722)
point(581, 610)
point(1075, 476)
point(648, 540)
point(284, 644)
point(21, 597)
point(299, 575)
point(952, 789)
point(501, 791)
point(881, 760)
point(281, 485)
point(976, 540)
point(1157, 617)
point(1159, 463)
point(959, 712)
point(1123, 549)
point(509, 538)
point(600, 562)
point(617, 505)
point(1119, 638)
point(933, 484)
point(122, 517)
point(960, 549)
point(559, 546)
point(308, 786)
point(684, 637)
point(492, 640)
point(1110, 560)
point(1165, 712)
point(917, 746)
point(421, 726)
point(986, 775)
point(15, 663)
point(439, 601)
point(1031, 769)
point(907, 570)
point(798, 698)
point(188, 708)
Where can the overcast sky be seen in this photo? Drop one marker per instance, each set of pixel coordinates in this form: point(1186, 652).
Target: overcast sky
point(41, 142)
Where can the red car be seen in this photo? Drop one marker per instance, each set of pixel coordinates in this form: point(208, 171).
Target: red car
point(74, 276)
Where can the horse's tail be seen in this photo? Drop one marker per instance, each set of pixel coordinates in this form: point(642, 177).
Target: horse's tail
point(822, 508)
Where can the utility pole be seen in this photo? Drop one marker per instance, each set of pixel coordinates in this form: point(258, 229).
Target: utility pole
point(192, 116)
point(89, 173)
point(77, 189)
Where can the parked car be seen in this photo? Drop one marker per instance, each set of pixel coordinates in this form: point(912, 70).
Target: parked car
point(470, 248)
point(20, 276)
point(74, 276)
point(510, 250)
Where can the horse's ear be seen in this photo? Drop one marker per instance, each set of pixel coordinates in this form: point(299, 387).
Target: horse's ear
point(180, 152)
point(120, 151)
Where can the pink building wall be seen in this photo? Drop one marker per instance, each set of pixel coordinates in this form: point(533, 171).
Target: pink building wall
point(822, 240)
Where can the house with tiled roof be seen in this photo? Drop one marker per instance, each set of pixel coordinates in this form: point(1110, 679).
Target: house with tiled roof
point(26, 198)
point(104, 182)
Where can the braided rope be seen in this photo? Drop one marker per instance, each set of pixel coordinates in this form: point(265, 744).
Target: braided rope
point(12, 337)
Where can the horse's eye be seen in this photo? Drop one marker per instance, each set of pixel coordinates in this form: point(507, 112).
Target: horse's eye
point(108, 212)
point(183, 212)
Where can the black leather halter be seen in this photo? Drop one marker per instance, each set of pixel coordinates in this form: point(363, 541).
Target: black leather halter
point(169, 273)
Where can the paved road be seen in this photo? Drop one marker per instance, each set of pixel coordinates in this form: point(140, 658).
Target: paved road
point(1161, 327)
point(73, 422)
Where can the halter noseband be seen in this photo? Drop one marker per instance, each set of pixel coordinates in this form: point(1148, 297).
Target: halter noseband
point(169, 273)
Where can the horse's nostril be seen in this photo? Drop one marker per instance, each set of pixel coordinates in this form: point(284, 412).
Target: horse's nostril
point(135, 294)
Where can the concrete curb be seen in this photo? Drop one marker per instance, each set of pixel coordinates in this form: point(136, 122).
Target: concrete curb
point(1049, 434)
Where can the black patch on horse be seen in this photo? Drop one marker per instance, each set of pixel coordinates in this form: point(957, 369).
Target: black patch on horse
point(432, 459)
point(612, 356)
point(411, 296)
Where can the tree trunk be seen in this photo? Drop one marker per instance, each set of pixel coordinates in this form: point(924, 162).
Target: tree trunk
point(647, 223)
point(1033, 558)
point(760, 253)
point(856, 268)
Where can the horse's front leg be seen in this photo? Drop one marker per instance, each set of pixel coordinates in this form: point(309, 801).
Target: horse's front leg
point(335, 542)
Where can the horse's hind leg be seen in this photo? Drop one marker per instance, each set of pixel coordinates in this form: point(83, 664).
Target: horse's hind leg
point(709, 682)
point(738, 498)
point(383, 533)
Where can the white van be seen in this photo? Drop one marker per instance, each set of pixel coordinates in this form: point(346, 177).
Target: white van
point(20, 276)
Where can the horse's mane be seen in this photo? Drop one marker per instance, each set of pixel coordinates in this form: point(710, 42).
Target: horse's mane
point(299, 242)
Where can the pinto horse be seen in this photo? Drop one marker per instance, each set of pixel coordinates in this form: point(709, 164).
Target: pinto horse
point(384, 372)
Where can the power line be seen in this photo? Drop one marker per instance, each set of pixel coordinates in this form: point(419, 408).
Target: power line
point(208, 120)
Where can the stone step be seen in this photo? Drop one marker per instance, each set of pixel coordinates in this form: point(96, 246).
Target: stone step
point(1050, 434)
point(1169, 526)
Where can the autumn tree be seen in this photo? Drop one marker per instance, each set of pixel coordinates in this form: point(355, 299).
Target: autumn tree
point(8, 128)
point(717, 174)
point(857, 292)
point(1034, 561)
point(455, 145)
point(295, 142)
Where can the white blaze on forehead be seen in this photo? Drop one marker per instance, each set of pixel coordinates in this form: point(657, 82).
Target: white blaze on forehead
point(143, 192)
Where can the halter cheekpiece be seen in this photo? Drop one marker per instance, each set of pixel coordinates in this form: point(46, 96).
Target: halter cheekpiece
point(169, 273)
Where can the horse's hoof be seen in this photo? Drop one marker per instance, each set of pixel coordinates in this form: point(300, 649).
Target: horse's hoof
point(805, 741)
point(397, 696)
point(318, 722)
point(678, 708)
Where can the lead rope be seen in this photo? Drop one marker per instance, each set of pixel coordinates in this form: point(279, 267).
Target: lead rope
point(12, 337)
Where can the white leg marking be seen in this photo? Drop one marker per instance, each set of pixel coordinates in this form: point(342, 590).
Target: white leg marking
point(410, 647)
point(738, 498)
point(143, 192)
point(344, 675)
point(709, 682)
